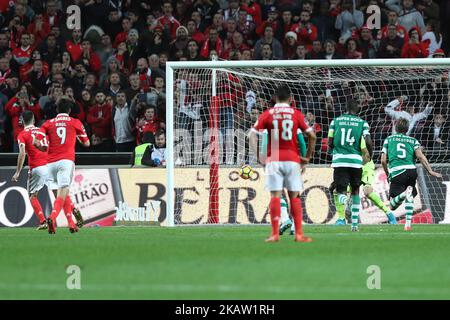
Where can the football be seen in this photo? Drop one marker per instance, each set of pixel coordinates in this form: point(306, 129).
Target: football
point(246, 172)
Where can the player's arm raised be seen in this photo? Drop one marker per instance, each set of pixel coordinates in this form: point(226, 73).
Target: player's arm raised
point(424, 161)
point(390, 107)
point(20, 162)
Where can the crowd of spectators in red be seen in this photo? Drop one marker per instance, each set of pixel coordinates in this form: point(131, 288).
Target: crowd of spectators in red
point(114, 67)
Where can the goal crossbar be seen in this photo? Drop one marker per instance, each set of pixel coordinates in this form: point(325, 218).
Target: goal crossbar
point(307, 63)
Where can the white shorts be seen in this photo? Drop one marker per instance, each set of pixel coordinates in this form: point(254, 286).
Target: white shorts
point(283, 174)
point(37, 178)
point(60, 174)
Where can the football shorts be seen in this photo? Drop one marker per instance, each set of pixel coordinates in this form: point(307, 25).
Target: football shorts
point(60, 174)
point(402, 181)
point(37, 178)
point(283, 174)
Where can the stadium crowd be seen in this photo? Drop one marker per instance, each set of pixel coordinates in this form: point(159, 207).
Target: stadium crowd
point(114, 67)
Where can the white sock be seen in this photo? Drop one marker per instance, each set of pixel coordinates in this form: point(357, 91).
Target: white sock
point(284, 211)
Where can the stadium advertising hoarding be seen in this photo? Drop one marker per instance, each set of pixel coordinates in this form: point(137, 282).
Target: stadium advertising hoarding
point(93, 191)
point(371, 214)
point(15, 208)
point(438, 191)
point(100, 193)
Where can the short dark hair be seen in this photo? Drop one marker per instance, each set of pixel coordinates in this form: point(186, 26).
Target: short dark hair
point(283, 93)
point(160, 132)
point(91, 74)
point(352, 106)
point(192, 40)
point(99, 91)
point(148, 137)
point(27, 117)
point(332, 42)
point(402, 125)
point(150, 106)
point(64, 106)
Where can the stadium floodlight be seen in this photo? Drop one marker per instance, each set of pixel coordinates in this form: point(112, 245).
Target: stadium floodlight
point(211, 105)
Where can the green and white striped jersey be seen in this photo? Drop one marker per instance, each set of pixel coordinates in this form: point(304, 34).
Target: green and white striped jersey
point(348, 132)
point(399, 149)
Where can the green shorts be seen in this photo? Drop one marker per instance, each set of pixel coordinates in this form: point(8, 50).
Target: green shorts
point(368, 174)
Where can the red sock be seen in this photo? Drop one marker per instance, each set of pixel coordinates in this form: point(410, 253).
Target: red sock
point(275, 212)
point(297, 214)
point(69, 201)
point(68, 207)
point(37, 209)
point(59, 203)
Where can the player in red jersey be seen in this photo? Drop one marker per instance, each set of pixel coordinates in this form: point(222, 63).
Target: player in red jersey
point(37, 162)
point(62, 132)
point(282, 166)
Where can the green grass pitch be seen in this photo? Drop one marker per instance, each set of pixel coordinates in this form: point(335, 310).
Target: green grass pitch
point(225, 263)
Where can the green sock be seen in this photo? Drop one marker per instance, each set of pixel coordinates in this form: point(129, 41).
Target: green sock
point(397, 201)
point(356, 206)
point(378, 202)
point(409, 207)
point(340, 208)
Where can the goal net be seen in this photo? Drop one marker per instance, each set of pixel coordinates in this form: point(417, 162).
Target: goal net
point(212, 105)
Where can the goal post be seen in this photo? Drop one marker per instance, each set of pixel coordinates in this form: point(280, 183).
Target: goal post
point(210, 105)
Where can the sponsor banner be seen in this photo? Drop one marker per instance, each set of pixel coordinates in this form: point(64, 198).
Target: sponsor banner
point(141, 186)
point(15, 207)
point(438, 192)
point(140, 195)
point(126, 215)
point(241, 201)
point(93, 191)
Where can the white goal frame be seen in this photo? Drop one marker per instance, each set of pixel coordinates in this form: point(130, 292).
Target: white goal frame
point(171, 66)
